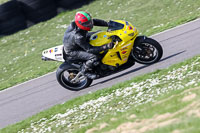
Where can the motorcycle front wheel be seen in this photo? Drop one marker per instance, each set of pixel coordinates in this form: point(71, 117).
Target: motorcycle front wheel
point(66, 74)
point(146, 50)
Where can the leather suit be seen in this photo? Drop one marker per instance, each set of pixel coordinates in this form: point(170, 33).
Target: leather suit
point(76, 44)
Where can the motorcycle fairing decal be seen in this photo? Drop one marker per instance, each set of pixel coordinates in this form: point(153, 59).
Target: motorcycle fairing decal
point(51, 51)
point(131, 34)
point(124, 52)
point(56, 49)
point(123, 48)
point(45, 51)
point(94, 37)
point(113, 55)
point(126, 45)
point(58, 54)
point(130, 28)
point(125, 59)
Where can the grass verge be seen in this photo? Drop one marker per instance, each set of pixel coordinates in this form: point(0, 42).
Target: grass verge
point(3, 1)
point(20, 54)
point(154, 98)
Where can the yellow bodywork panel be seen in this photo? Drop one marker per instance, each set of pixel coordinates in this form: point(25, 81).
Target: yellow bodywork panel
point(122, 49)
point(100, 38)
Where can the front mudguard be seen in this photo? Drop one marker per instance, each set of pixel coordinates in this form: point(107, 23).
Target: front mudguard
point(139, 39)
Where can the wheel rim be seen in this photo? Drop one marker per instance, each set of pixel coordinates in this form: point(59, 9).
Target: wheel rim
point(68, 75)
point(145, 53)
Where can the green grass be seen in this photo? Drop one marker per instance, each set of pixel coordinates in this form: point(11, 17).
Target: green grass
point(146, 96)
point(3, 1)
point(20, 54)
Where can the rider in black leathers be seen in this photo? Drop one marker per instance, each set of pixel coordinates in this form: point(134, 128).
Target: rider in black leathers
point(76, 45)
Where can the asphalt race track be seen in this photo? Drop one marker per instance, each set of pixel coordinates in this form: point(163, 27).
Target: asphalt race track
point(24, 100)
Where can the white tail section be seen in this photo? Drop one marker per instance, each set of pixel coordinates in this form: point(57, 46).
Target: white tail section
point(54, 54)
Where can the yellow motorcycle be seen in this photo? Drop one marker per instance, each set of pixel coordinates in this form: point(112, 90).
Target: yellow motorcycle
point(128, 49)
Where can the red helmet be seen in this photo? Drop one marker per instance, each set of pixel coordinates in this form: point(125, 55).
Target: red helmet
point(84, 21)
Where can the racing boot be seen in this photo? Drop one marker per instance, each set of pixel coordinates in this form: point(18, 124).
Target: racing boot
point(85, 71)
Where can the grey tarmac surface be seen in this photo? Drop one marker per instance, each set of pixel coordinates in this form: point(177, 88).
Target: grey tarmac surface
point(22, 101)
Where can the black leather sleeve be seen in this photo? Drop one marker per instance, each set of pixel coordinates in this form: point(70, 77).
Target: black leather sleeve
point(81, 41)
point(99, 22)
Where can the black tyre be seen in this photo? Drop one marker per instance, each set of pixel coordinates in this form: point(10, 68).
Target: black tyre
point(71, 4)
point(36, 4)
point(13, 25)
point(38, 10)
point(11, 18)
point(66, 73)
point(146, 50)
point(9, 9)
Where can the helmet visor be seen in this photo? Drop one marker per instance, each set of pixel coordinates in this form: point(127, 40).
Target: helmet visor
point(88, 24)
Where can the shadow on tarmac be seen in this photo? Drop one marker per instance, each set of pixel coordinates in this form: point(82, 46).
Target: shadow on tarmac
point(139, 68)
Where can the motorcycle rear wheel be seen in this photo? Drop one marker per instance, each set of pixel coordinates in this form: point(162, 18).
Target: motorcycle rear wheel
point(65, 74)
point(146, 50)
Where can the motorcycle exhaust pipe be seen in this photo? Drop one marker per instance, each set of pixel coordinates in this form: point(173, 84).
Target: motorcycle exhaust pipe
point(46, 59)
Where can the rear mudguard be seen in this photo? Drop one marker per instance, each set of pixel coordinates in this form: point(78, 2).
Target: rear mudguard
point(66, 64)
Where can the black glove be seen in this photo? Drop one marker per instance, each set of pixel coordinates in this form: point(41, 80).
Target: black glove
point(108, 46)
